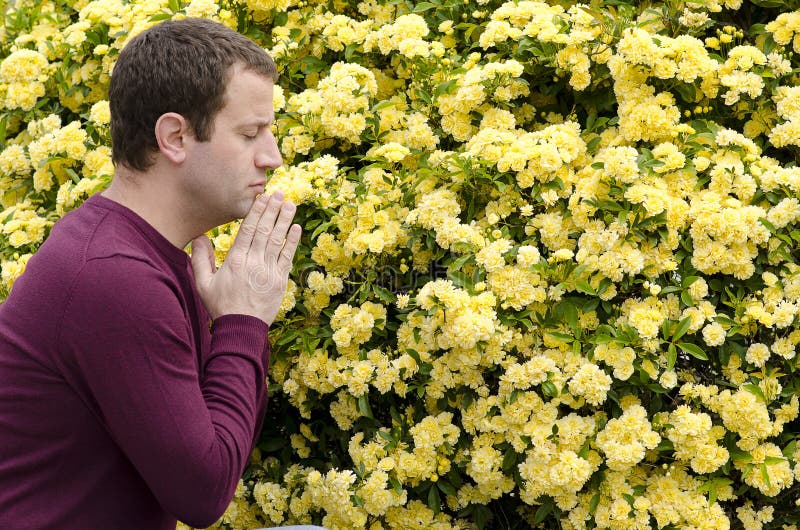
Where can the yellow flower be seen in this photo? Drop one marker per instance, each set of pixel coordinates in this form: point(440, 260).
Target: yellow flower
point(591, 383)
point(393, 152)
point(100, 113)
point(625, 439)
point(714, 334)
point(13, 160)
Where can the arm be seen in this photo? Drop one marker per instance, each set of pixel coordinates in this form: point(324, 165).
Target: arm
point(190, 440)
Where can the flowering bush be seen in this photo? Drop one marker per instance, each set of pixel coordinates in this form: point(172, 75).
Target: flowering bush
point(549, 273)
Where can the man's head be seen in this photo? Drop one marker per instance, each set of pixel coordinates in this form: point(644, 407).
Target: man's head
point(180, 67)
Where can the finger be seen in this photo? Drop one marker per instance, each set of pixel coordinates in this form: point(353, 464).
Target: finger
point(279, 232)
point(203, 263)
point(287, 254)
point(265, 225)
point(244, 238)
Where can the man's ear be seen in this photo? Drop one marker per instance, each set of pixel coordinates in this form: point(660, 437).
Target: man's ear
point(171, 131)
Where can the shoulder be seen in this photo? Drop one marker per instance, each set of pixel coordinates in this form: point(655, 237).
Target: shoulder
point(93, 231)
point(127, 284)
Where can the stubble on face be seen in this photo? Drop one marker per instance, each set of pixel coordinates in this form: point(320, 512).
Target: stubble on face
point(224, 168)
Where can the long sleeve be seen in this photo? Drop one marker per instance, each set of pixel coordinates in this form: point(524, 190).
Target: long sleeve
point(128, 347)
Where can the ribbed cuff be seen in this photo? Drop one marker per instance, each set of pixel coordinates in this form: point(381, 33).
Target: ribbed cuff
point(235, 334)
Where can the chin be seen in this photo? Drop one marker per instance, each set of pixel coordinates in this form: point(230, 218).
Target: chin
point(244, 208)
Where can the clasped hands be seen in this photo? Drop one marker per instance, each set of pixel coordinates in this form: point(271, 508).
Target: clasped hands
point(253, 278)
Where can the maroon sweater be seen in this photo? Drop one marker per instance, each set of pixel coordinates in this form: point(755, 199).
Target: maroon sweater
point(119, 406)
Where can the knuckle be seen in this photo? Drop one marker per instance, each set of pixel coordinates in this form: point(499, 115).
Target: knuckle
point(247, 230)
point(236, 258)
point(263, 230)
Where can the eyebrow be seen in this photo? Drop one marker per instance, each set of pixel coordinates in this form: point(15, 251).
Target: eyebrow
point(258, 123)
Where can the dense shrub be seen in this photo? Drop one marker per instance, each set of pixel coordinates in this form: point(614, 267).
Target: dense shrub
point(549, 269)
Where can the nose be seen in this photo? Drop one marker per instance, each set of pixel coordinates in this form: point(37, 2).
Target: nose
point(268, 156)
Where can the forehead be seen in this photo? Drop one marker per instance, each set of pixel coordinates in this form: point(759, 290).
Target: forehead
point(248, 96)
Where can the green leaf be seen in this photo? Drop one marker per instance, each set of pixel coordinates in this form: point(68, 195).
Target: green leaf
point(74, 176)
point(466, 400)
point(770, 226)
point(549, 389)
point(694, 350)
point(571, 316)
point(160, 16)
point(725, 321)
point(460, 262)
point(584, 450)
point(542, 513)
point(682, 328)
point(788, 451)
point(712, 493)
point(603, 339)
point(363, 406)
point(414, 355)
point(509, 459)
point(672, 356)
point(396, 486)
point(482, 515)
point(773, 460)
point(563, 337)
point(383, 104)
point(422, 7)
point(446, 487)
point(628, 497)
point(443, 88)
point(312, 65)
point(756, 391)
point(384, 294)
point(3, 125)
point(584, 287)
point(386, 436)
point(687, 92)
point(593, 503)
point(686, 298)
point(689, 280)
point(434, 501)
point(460, 279)
point(739, 455)
point(287, 337)
point(280, 19)
point(765, 474)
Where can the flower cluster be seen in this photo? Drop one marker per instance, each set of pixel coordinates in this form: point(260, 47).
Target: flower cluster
point(549, 264)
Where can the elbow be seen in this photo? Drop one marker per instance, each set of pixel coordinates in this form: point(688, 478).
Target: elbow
point(202, 516)
point(199, 512)
point(204, 497)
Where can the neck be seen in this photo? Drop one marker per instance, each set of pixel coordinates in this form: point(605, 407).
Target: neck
point(160, 205)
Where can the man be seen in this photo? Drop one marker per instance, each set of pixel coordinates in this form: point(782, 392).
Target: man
point(120, 407)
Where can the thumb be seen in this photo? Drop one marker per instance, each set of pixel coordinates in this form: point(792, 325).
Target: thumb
point(203, 262)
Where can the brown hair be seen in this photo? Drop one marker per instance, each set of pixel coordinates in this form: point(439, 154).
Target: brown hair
point(180, 66)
